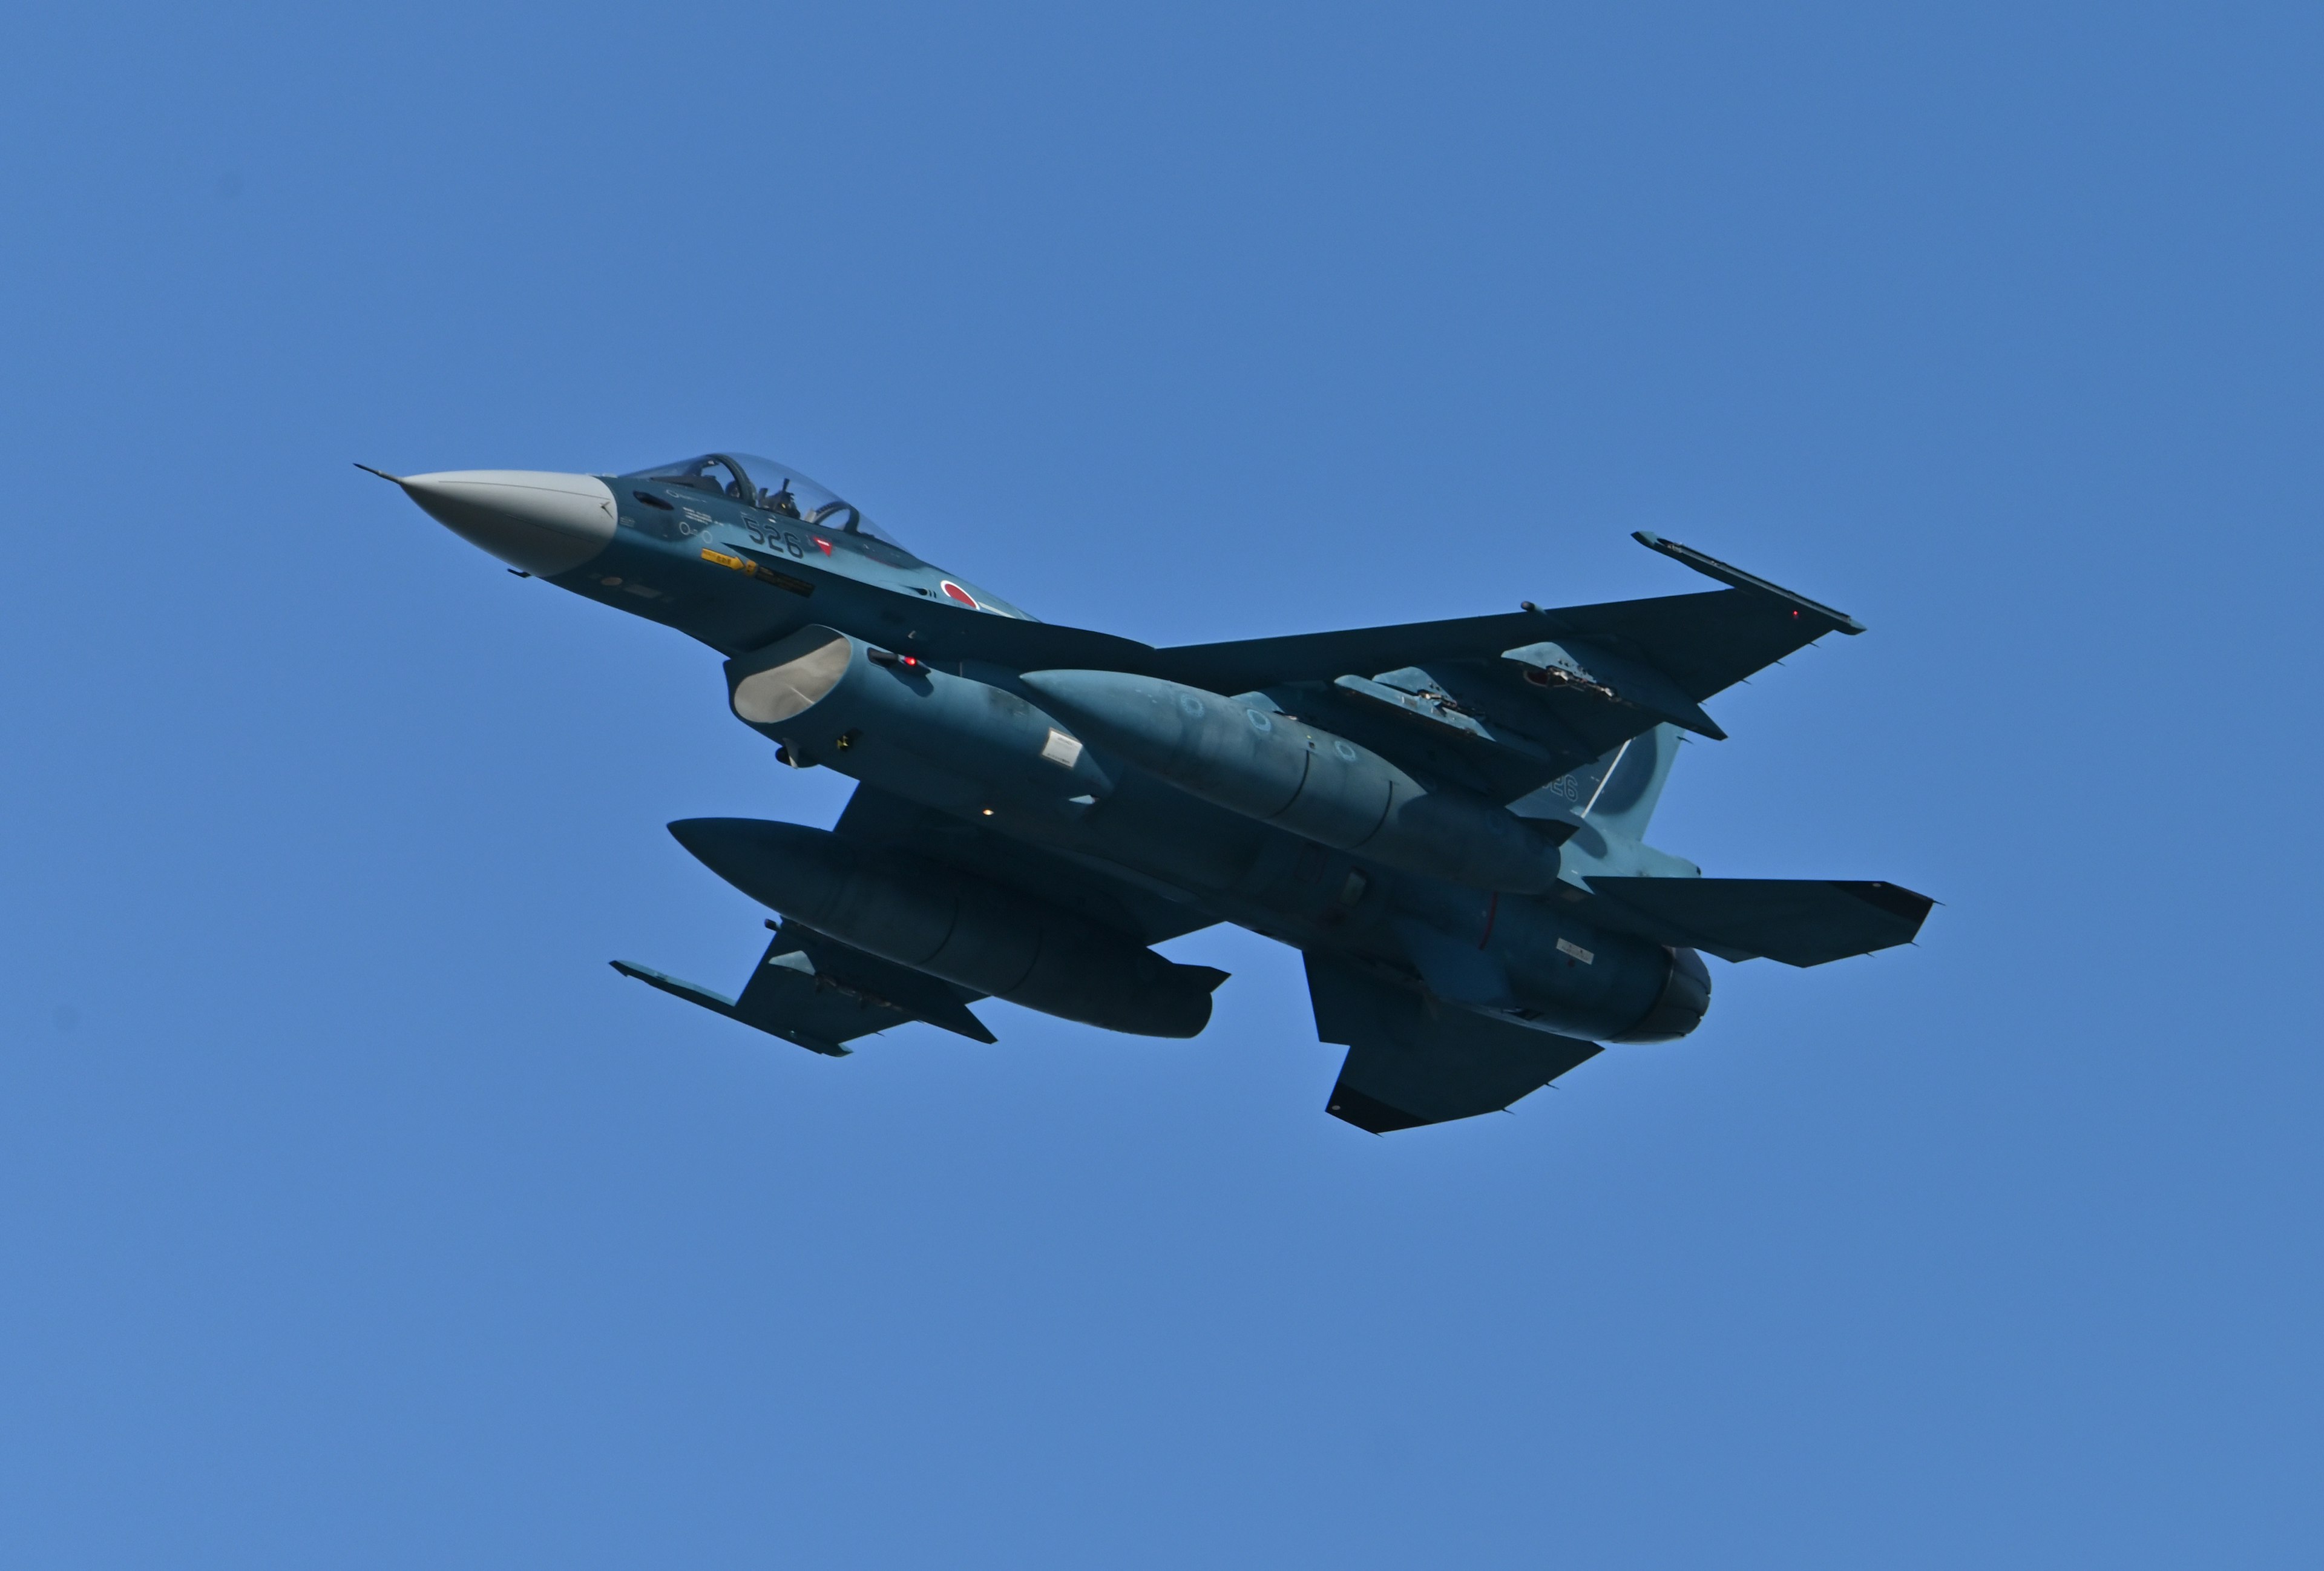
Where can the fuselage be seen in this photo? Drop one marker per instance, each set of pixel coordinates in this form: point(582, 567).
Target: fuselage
point(751, 572)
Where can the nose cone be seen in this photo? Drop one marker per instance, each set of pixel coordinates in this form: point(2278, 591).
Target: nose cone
point(543, 523)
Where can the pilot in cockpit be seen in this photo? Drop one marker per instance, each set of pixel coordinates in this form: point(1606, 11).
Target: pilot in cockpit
point(740, 477)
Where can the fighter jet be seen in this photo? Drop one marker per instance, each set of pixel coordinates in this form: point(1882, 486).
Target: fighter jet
point(1446, 819)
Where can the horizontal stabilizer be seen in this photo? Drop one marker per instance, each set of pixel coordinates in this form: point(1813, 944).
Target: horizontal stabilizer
point(1413, 1059)
point(1800, 921)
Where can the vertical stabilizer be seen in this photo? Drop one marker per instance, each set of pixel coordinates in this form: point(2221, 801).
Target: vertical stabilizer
point(1615, 794)
point(1632, 782)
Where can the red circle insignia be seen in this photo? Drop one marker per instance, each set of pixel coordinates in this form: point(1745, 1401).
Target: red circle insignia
point(955, 592)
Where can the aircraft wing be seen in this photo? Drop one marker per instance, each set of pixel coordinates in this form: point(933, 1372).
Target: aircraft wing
point(1800, 921)
point(1701, 642)
point(817, 994)
point(949, 634)
point(1501, 705)
point(1505, 703)
point(1412, 1061)
point(820, 994)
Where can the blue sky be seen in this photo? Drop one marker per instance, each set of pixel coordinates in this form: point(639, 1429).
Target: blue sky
point(353, 1211)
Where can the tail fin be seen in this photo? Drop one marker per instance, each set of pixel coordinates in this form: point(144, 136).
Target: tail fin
point(1630, 782)
point(1617, 793)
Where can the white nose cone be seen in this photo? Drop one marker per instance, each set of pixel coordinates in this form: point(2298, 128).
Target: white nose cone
point(543, 523)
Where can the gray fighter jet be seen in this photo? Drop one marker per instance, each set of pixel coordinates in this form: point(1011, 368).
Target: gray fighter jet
point(1447, 820)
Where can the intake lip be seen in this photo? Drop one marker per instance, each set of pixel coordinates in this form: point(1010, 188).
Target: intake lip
point(803, 670)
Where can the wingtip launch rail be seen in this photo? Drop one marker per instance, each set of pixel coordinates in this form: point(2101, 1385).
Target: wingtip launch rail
point(1711, 567)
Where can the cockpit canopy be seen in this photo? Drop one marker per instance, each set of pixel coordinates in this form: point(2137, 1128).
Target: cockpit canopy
point(770, 486)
